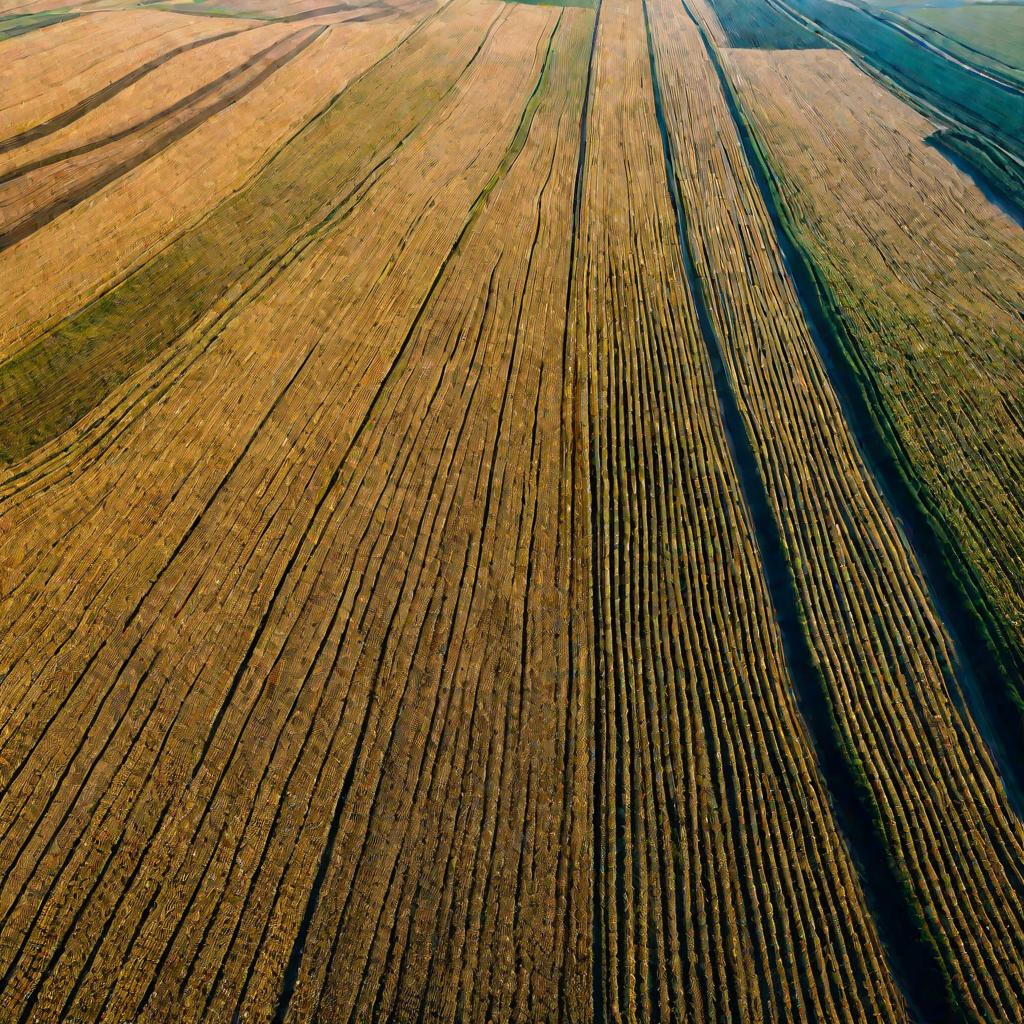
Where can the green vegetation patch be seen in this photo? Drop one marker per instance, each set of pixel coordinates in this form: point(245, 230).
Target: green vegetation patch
point(757, 25)
point(996, 170)
point(214, 12)
point(21, 24)
point(49, 386)
point(990, 33)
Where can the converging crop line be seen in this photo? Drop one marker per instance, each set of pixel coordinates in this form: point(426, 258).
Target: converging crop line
point(987, 672)
point(265, 269)
point(96, 99)
point(286, 787)
point(144, 915)
point(38, 219)
point(350, 447)
point(913, 958)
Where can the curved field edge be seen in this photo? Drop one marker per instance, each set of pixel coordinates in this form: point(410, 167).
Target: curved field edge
point(983, 639)
point(998, 176)
point(49, 386)
point(944, 91)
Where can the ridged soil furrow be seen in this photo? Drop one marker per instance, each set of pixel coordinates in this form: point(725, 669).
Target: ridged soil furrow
point(480, 700)
point(70, 569)
point(704, 881)
point(941, 812)
point(185, 117)
point(143, 903)
point(397, 467)
point(100, 244)
point(273, 787)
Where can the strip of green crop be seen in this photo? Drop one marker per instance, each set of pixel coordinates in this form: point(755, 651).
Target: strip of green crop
point(48, 387)
point(22, 24)
point(213, 12)
point(983, 640)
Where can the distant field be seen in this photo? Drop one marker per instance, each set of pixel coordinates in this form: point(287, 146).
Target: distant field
point(991, 29)
point(984, 102)
point(759, 25)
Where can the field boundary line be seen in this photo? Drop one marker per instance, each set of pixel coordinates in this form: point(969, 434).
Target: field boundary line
point(911, 954)
point(981, 649)
point(101, 96)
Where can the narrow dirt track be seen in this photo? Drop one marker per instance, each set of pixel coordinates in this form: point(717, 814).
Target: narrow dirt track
point(38, 192)
point(108, 92)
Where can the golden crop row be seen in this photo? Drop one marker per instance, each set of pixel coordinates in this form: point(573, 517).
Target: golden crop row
point(39, 189)
point(306, 187)
point(43, 73)
point(315, 588)
point(883, 657)
point(397, 543)
point(724, 891)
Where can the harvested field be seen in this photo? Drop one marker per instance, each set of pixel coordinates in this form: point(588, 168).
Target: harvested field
point(439, 577)
point(45, 72)
point(928, 278)
point(37, 191)
point(699, 797)
point(99, 241)
point(396, 285)
point(132, 98)
point(882, 658)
